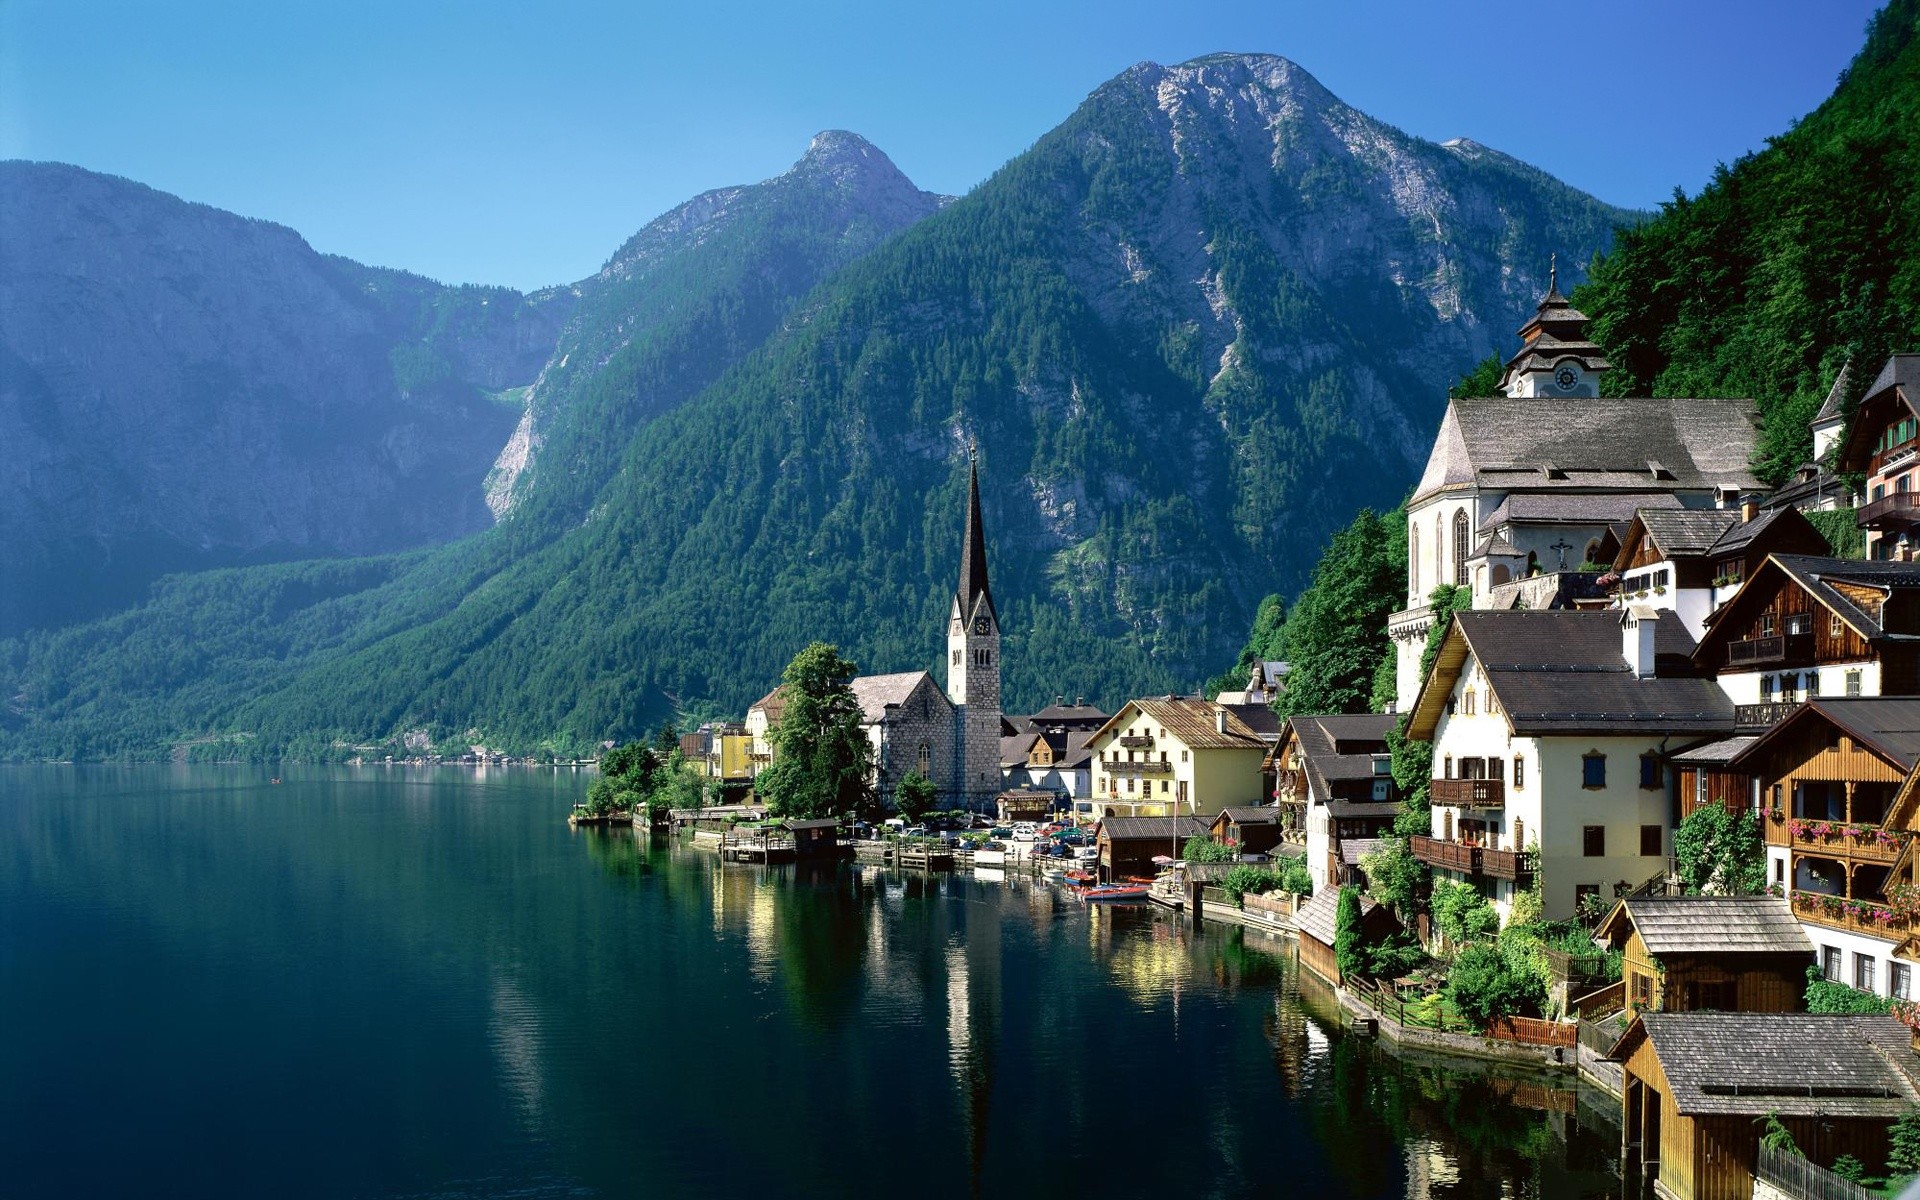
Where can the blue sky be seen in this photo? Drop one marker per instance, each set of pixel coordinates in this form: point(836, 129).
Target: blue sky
point(521, 143)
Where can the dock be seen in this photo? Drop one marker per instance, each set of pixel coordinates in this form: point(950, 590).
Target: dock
point(757, 846)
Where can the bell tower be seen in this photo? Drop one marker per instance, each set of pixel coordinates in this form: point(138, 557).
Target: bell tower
point(973, 662)
point(1556, 358)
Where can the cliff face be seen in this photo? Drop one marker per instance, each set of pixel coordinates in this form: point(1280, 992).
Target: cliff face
point(181, 387)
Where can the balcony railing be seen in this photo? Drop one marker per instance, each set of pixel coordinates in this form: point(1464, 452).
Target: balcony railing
point(1290, 783)
point(1470, 793)
point(1448, 856)
point(1780, 647)
point(1763, 716)
point(1138, 768)
point(1506, 864)
point(1899, 509)
point(1869, 843)
point(1137, 743)
point(1875, 918)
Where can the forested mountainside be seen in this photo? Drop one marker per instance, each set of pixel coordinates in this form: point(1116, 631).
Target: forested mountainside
point(689, 296)
point(1191, 330)
point(1789, 262)
point(182, 388)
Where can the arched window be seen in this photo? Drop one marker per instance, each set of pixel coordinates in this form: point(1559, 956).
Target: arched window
point(1460, 548)
point(1413, 560)
point(925, 760)
point(1439, 552)
point(1501, 574)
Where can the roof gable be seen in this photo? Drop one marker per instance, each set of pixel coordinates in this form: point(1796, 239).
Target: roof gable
point(1886, 726)
point(1709, 925)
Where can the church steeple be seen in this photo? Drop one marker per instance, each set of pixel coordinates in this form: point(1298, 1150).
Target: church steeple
point(1555, 358)
point(974, 596)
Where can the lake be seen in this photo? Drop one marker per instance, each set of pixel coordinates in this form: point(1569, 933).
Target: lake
point(418, 982)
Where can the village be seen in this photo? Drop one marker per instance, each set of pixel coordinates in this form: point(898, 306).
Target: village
point(1645, 806)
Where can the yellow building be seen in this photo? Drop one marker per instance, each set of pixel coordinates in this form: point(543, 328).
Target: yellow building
point(1180, 756)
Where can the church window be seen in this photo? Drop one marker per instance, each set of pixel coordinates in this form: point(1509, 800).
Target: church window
point(1460, 548)
point(1413, 560)
point(925, 759)
point(956, 658)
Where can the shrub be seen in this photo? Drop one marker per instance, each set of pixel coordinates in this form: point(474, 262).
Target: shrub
point(1903, 1144)
point(1206, 850)
point(1349, 939)
point(1394, 956)
point(1463, 914)
point(1720, 854)
point(1828, 996)
point(1849, 1168)
point(1295, 878)
point(1484, 987)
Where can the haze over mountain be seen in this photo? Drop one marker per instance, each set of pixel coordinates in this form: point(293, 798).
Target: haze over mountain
point(183, 388)
point(1191, 330)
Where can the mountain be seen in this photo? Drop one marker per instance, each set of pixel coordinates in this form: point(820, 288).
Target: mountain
point(1191, 330)
point(1789, 263)
point(183, 388)
point(689, 296)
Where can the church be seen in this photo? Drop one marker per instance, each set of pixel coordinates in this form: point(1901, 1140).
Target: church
point(951, 736)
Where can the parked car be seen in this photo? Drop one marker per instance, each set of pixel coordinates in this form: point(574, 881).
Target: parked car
point(1024, 833)
point(1001, 831)
point(1086, 854)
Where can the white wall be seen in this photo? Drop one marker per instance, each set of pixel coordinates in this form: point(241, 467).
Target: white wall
point(1743, 687)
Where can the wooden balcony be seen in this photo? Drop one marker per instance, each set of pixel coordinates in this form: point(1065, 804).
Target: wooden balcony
point(1290, 783)
point(1764, 651)
point(1506, 864)
point(1448, 856)
point(1470, 793)
point(1874, 918)
point(1137, 768)
point(1897, 511)
point(1137, 743)
point(1762, 716)
point(1837, 839)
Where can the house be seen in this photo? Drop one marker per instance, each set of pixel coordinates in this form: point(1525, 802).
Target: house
point(1699, 1087)
point(1048, 758)
point(1254, 829)
point(1691, 560)
point(1317, 921)
point(1179, 754)
point(950, 735)
point(1265, 684)
point(1832, 782)
point(720, 750)
point(1804, 626)
point(1884, 445)
point(1521, 490)
point(1128, 845)
point(1078, 717)
point(1333, 782)
point(1025, 804)
point(814, 838)
point(1549, 732)
point(1720, 953)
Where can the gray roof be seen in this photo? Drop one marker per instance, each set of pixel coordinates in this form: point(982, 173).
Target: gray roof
point(1773, 522)
point(1319, 737)
point(1352, 850)
point(1887, 725)
point(1250, 815)
point(1901, 371)
point(1141, 829)
point(1818, 575)
point(1833, 408)
point(1576, 508)
point(1717, 752)
point(1564, 672)
point(1717, 924)
point(875, 692)
point(1316, 917)
point(812, 823)
point(1014, 750)
point(1602, 444)
point(1794, 1064)
point(1363, 808)
point(1257, 717)
point(1085, 714)
point(1687, 532)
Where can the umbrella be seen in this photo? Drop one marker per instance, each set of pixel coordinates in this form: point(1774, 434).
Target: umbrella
point(1161, 858)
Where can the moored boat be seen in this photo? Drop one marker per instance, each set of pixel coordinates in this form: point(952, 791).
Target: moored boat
point(1114, 891)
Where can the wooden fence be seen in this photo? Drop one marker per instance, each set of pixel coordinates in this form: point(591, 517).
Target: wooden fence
point(1804, 1179)
point(1532, 1031)
point(1609, 999)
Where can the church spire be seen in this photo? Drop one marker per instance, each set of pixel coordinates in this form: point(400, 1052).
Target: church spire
point(973, 555)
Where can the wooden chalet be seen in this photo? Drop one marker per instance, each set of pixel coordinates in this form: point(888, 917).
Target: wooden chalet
point(1333, 782)
point(1128, 845)
point(1689, 560)
point(1025, 804)
point(1803, 627)
point(1316, 924)
point(1255, 830)
point(1718, 953)
point(1830, 781)
point(1698, 1087)
point(1884, 445)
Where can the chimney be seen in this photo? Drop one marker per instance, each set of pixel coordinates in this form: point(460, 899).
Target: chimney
point(1219, 718)
point(1059, 700)
point(1638, 625)
point(1079, 701)
point(1748, 510)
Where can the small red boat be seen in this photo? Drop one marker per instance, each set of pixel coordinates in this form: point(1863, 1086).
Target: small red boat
point(1114, 891)
point(1081, 878)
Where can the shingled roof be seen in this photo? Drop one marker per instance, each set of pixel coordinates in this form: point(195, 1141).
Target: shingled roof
point(1709, 925)
point(875, 692)
point(1316, 917)
point(1834, 407)
point(1322, 737)
point(1146, 829)
point(1576, 508)
point(1886, 725)
point(1191, 719)
point(1589, 445)
point(1564, 672)
point(1794, 1064)
point(1851, 589)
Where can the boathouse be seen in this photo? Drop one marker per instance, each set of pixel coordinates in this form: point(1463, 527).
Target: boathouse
point(1255, 830)
point(1128, 845)
point(815, 838)
point(1723, 953)
point(1316, 924)
point(1698, 1089)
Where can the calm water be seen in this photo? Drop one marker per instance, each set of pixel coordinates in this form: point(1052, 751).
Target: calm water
point(394, 983)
